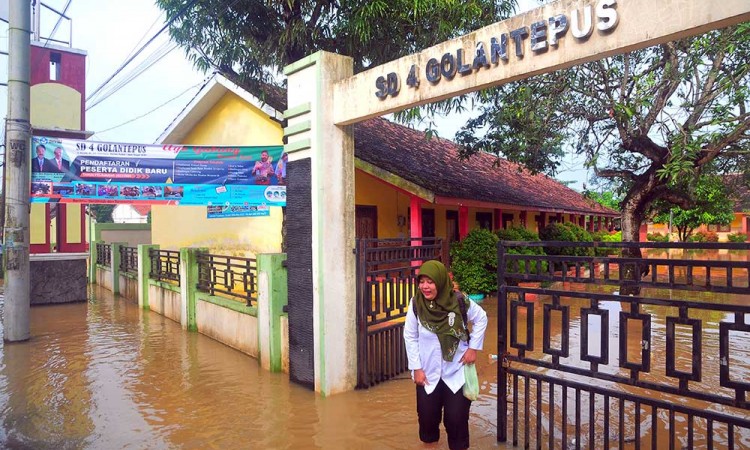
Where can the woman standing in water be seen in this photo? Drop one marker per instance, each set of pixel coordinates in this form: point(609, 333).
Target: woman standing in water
point(438, 345)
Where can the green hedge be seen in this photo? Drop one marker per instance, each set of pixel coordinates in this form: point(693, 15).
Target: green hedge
point(567, 232)
point(657, 237)
point(737, 237)
point(474, 262)
point(523, 234)
point(604, 236)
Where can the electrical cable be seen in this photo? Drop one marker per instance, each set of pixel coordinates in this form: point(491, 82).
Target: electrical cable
point(155, 57)
point(145, 65)
point(201, 84)
point(153, 38)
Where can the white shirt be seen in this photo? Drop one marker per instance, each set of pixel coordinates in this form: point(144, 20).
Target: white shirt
point(423, 349)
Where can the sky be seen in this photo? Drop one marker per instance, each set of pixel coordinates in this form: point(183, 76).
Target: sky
point(141, 110)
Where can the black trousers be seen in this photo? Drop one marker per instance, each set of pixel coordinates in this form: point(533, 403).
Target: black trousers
point(452, 408)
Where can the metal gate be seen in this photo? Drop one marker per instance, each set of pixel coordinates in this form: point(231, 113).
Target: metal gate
point(386, 281)
point(665, 368)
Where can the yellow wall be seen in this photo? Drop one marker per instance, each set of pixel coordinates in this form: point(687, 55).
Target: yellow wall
point(390, 202)
point(232, 121)
point(73, 223)
point(369, 191)
point(55, 106)
point(37, 224)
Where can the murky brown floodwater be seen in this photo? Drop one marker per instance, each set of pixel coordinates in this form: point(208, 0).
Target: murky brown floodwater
point(105, 375)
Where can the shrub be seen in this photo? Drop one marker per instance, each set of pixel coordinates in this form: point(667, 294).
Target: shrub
point(523, 234)
point(712, 237)
point(704, 236)
point(657, 237)
point(697, 237)
point(604, 236)
point(567, 232)
point(737, 237)
point(474, 262)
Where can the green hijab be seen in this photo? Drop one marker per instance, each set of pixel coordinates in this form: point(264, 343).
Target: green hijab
point(435, 314)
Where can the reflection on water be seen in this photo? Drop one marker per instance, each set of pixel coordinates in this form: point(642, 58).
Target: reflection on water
point(108, 375)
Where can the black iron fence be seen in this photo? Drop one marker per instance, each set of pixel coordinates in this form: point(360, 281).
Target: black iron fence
point(666, 365)
point(386, 281)
point(129, 260)
point(104, 254)
point(165, 265)
point(228, 276)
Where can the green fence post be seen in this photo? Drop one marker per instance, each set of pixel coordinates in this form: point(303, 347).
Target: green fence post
point(144, 271)
point(189, 286)
point(115, 261)
point(92, 262)
point(272, 297)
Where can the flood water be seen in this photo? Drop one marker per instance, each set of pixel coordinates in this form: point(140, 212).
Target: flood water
point(106, 375)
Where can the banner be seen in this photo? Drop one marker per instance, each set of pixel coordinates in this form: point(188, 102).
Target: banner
point(76, 171)
point(222, 212)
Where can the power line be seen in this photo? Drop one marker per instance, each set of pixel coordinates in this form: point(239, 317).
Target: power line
point(129, 60)
point(202, 83)
point(152, 59)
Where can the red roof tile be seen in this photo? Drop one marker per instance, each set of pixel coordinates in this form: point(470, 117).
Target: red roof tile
point(142, 209)
point(435, 165)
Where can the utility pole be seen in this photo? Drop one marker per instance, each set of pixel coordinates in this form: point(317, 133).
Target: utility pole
point(18, 140)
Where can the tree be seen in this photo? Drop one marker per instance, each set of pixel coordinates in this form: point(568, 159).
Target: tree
point(254, 40)
point(608, 199)
point(712, 206)
point(102, 213)
point(648, 121)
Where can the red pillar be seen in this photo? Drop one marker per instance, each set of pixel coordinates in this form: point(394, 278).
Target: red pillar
point(560, 218)
point(542, 220)
point(581, 221)
point(498, 219)
point(415, 225)
point(463, 222)
point(643, 232)
point(744, 223)
point(591, 223)
point(523, 219)
point(599, 223)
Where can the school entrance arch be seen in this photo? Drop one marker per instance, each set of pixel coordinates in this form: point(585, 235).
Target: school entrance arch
point(325, 97)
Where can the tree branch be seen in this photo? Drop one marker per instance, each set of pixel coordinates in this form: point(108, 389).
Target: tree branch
point(613, 173)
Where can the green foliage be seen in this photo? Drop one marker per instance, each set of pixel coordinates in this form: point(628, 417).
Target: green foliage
point(704, 236)
point(256, 39)
point(474, 262)
point(657, 237)
point(605, 236)
point(737, 237)
point(711, 206)
point(522, 234)
point(102, 213)
point(619, 114)
point(608, 199)
point(568, 232)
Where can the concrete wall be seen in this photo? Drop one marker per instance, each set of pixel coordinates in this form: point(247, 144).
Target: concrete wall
point(233, 328)
point(164, 301)
point(132, 237)
point(58, 278)
point(285, 344)
point(129, 287)
point(104, 277)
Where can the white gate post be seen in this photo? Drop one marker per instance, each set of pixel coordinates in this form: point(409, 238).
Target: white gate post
point(320, 229)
